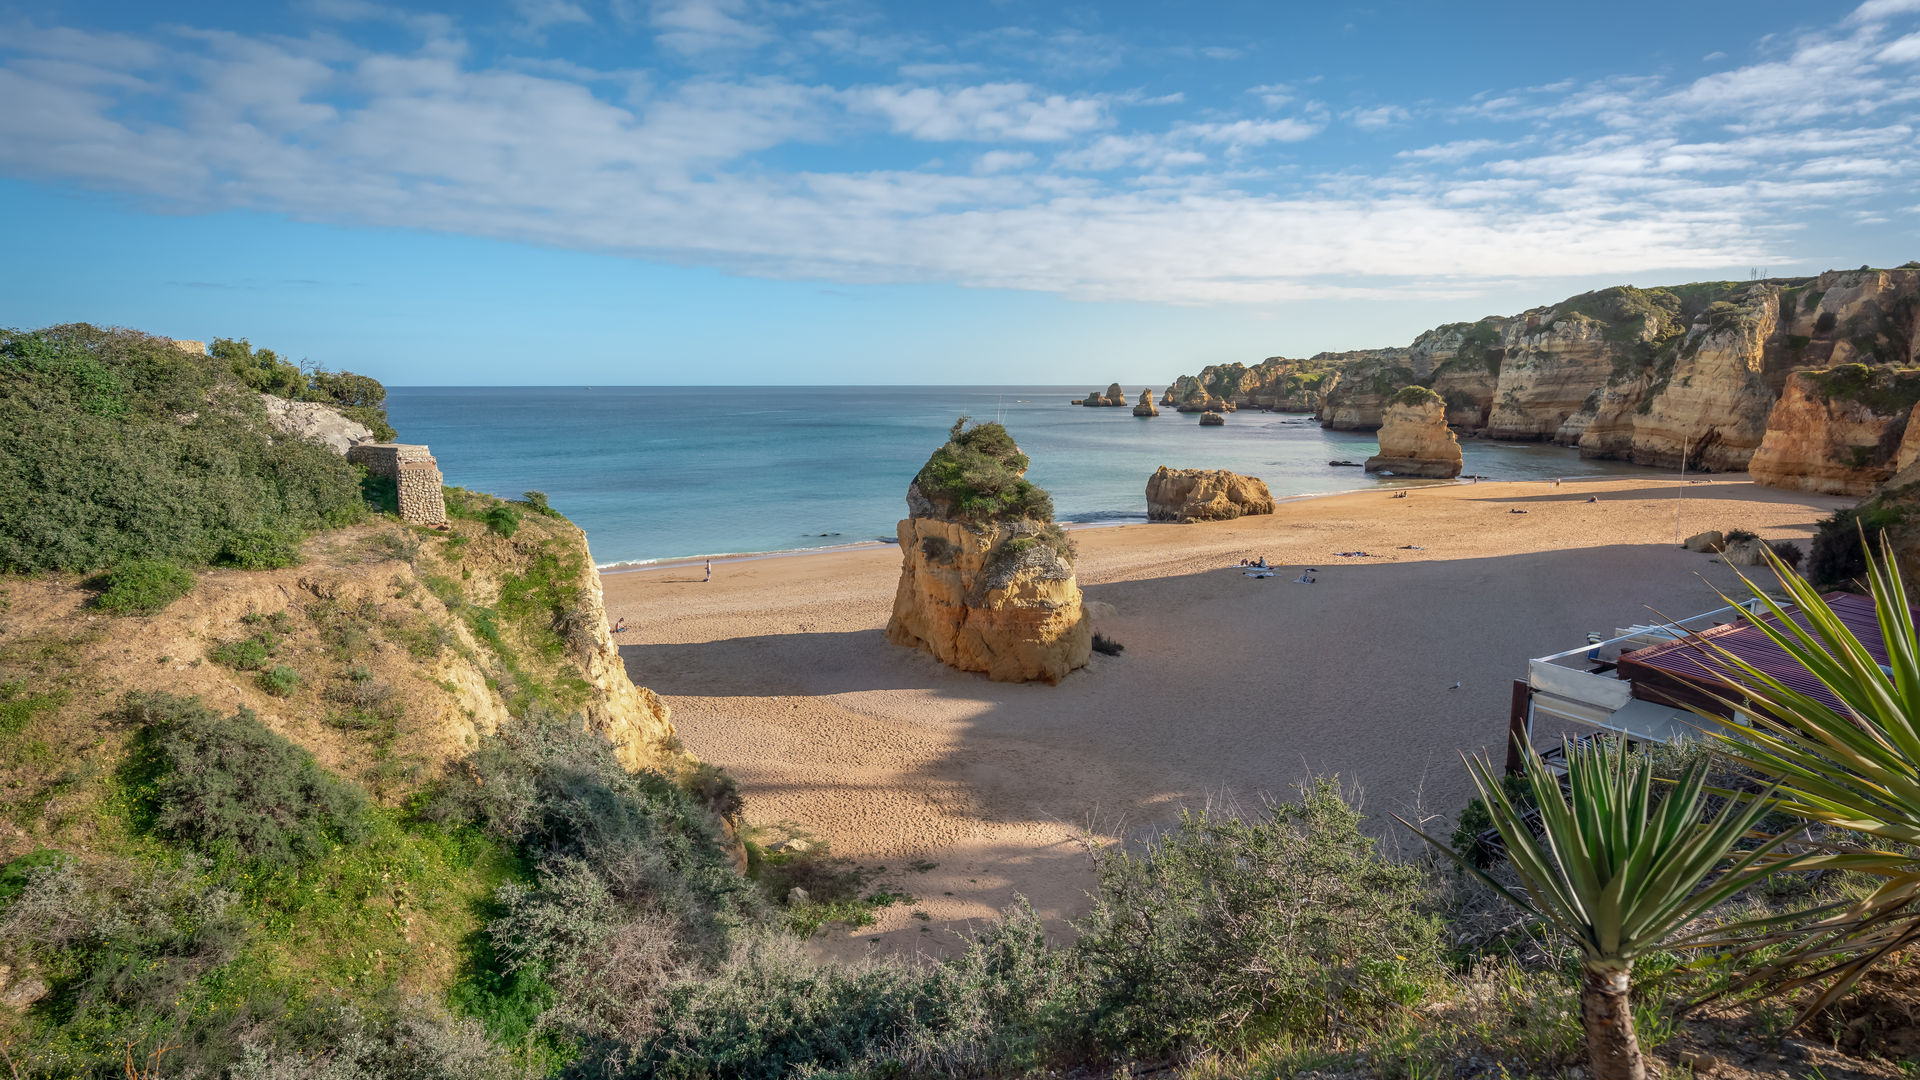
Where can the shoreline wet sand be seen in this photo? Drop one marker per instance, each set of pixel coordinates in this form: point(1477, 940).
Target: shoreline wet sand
point(1230, 687)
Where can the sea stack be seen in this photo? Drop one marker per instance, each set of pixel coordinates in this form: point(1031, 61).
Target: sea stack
point(1145, 407)
point(1116, 395)
point(986, 575)
point(1212, 419)
point(1414, 439)
point(1186, 495)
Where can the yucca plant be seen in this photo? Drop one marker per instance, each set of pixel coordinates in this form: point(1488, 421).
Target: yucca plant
point(1855, 769)
point(1619, 867)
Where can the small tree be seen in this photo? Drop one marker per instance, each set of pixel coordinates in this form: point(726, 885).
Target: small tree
point(1616, 869)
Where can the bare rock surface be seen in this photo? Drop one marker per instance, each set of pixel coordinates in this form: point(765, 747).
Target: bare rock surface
point(315, 423)
point(1188, 495)
point(1414, 438)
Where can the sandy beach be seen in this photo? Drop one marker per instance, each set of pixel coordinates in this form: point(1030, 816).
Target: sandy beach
point(1230, 687)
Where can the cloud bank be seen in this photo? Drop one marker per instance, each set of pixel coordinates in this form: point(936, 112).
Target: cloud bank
point(987, 182)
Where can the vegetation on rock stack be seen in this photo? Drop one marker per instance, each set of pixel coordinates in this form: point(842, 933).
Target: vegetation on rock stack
point(979, 477)
point(1413, 396)
point(117, 445)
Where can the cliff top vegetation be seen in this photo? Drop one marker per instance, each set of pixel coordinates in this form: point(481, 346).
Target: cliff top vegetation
point(119, 445)
point(1882, 389)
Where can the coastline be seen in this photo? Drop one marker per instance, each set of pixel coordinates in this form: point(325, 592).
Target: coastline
point(1230, 689)
point(635, 566)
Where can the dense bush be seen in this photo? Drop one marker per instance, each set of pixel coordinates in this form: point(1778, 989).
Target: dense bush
point(144, 586)
point(229, 786)
point(1840, 543)
point(1229, 929)
point(117, 445)
point(117, 943)
point(979, 475)
point(502, 519)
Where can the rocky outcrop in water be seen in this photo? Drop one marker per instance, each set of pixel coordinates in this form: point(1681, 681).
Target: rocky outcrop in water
point(1187, 495)
point(1212, 419)
point(1145, 407)
point(1414, 439)
point(986, 576)
point(1840, 431)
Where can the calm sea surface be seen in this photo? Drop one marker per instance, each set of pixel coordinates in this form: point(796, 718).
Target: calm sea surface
point(669, 472)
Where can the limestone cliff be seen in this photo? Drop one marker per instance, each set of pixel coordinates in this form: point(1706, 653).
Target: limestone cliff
point(986, 577)
point(1644, 375)
point(313, 422)
point(1414, 439)
point(1188, 495)
point(1845, 431)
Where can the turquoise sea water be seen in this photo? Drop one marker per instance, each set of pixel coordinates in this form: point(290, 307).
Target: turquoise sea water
point(671, 472)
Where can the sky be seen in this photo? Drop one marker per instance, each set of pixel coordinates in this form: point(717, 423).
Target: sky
point(783, 192)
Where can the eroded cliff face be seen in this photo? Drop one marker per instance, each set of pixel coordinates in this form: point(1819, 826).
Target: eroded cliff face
point(988, 598)
point(1840, 432)
point(1188, 495)
point(1415, 440)
point(1643, 375)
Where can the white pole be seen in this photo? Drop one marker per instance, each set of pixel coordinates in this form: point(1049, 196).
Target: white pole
point(1685, 445)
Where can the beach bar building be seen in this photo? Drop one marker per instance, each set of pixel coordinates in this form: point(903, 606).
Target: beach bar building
point(1643, 683)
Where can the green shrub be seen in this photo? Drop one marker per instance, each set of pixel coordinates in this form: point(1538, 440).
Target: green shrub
point(120, 446)
point(280, 680)
point(229, 786)
point(17, 706)
point(1228, 931)
point(537, 501)
point(144, 586)
point(1736, 536)
point(1789, 553)
point(1416, 395)
point(1840, 542)
point(260, 549)
point(1475, 820)
point(979, 476)
point(503, 520)
point(242, 654)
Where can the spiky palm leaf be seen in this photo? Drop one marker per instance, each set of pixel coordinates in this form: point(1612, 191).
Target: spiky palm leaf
point(1616, 869)
point(1856, 770)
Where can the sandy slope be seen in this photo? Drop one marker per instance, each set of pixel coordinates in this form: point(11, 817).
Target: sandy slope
point(1230, 687)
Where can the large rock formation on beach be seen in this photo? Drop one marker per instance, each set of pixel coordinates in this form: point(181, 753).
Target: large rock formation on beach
point(1414, 439)
point(986, 576)
point(1844, 431)
point(1643, 375)
point(1187, 495)
point(1145, 407)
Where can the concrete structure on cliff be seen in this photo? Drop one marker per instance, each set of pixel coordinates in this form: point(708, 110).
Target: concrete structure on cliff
point(415, 476)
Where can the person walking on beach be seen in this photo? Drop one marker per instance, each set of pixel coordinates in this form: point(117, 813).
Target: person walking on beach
point(709, 576)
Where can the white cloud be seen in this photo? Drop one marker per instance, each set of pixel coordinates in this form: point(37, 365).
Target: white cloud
point(997, 161)
point(701, 26)
point(1882, 10)
point(1613, 177)
point(1382, 116)
point(1904, 51)
point(986, 112)
point(1257, 132)
point(540, 14)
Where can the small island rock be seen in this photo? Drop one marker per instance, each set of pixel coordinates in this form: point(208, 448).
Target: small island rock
point(1187, 495)
point(1145, 407)
point(1414, 439)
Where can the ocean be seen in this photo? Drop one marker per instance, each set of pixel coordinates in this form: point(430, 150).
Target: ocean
point(655, 473)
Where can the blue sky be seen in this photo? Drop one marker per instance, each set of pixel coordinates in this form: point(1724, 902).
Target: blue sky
point(837, 191)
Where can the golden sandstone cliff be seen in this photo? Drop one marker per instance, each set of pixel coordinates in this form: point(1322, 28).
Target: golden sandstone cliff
point(1188, 495)
point(986, 576)
point(1844, 431)
point(1414, 438)
point(1644, 375)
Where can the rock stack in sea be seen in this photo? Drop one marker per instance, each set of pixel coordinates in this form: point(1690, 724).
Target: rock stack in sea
point(1211, 419)
point(986, 575)
point(1187, 495)
point(1145, 407)
point(1414, 440)
point(1113, 398)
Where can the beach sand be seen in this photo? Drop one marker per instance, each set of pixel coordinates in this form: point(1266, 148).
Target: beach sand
point(1230, 688)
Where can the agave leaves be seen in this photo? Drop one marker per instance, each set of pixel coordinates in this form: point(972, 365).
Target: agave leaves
point(1618, 870)
point(1856, 769)
point(1615, 868)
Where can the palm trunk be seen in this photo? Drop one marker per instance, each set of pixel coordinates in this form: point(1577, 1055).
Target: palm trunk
point(1611, 1044)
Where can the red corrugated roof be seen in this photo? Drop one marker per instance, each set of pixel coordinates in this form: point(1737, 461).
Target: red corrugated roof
point(1688, 660)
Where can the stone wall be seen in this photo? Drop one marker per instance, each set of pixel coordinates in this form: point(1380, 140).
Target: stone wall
point(415, 476)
